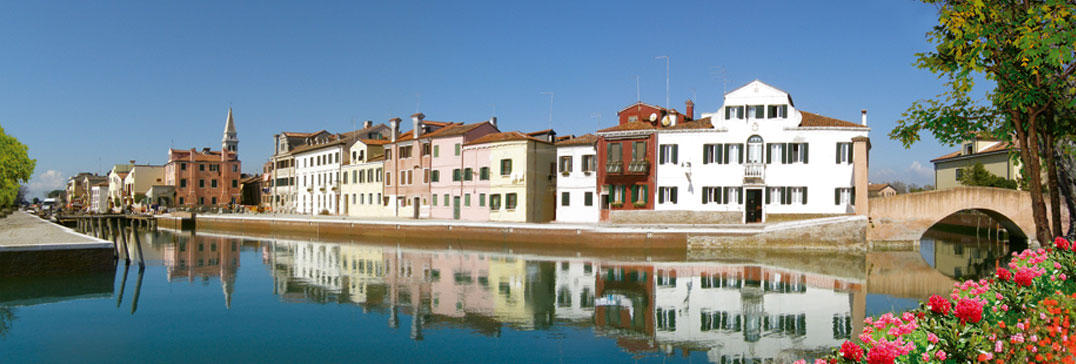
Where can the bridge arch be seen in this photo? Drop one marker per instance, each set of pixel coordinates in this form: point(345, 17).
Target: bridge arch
point(906, 217)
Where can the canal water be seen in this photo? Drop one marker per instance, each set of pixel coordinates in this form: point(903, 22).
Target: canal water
point(227, 298)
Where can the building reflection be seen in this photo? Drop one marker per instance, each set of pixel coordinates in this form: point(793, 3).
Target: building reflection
point(735, 313)
point(966, 245)
point(202, 257)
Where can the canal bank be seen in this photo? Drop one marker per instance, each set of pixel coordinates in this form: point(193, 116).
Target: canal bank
point(841, 233)
point(30, 245)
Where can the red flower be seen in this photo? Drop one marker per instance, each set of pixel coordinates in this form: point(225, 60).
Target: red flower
point(851, 351)
point(1024, 276)
point(1004, 275)
point(939, 304)
point(884, 353)
point(1062, 244)
point(969, 310)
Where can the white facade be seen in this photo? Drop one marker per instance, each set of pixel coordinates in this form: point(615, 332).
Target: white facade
point(577, 183)
point(576, 289)
point(99, 199)
point(363, 190)
point(791, 163)
point(317, 175)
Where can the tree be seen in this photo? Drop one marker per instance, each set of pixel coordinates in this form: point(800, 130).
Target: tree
point(20, 197)
point(55, 194)
point(1065, 154)
point(1026, 48)
point(16, 167)
point(901, 187)
point(977, 175)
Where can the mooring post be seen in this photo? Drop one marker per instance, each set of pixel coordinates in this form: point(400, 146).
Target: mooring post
point(138, 290)
point(122, 221)
point(123, 286)
point(138, 246)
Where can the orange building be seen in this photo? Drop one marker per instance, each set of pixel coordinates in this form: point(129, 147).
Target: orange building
point(206, 177)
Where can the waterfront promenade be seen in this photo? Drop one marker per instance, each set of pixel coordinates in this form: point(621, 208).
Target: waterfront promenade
point(30, 244)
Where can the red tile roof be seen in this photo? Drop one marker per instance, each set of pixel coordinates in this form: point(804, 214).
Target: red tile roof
point(703, 123)
point(588, 139)
point(453, 129)
point(874, 187)
point(629, 126)
point(809, 119)
point(1002, 146)
point(505, 137)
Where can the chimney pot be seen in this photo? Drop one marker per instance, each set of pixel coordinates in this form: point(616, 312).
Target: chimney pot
point(690, 109)
point(132, 161)
point(367, 124)
point(863, 114)
point(493, 120)
point(416, 127)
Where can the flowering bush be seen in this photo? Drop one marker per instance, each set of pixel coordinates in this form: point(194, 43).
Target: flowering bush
point(1025, 314)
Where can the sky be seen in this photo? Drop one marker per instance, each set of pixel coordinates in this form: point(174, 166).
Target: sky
point(90, 84)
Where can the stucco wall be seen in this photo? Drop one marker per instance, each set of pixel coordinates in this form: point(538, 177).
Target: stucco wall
point(576, 184)
point(998, 164)
point(675, 217)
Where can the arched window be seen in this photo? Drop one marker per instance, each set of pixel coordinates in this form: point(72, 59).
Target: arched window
point(754, 149)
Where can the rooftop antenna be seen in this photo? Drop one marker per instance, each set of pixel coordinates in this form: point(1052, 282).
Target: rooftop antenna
point(599, 116)
point(550, 93)
point(638, 96)
point(719, 71)
point(666, 79)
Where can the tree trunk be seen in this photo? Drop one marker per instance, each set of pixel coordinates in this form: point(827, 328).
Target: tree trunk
point(1065, 154)
point(1049, 148)
point(1029, 155)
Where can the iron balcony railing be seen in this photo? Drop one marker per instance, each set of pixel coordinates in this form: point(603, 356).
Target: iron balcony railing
point(614, 168)
point(639, 167)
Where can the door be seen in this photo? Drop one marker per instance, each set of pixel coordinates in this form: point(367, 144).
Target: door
point(456, 207)
point(753, 206)
point(415, 204)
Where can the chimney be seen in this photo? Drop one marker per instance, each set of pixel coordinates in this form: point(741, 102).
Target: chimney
point(416, 124)
point(394, 123)
point(132, 162)
point(864, 116)
point(493, 120)
point(367, 124)
point(205, 150)
point(690, 106)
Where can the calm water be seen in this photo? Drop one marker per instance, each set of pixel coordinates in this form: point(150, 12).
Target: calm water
point(208, 297)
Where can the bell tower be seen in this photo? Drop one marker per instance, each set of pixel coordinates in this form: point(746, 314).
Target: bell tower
point(231, 139)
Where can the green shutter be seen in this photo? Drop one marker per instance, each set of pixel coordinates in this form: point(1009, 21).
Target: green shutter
point(769, 153)
point(804, 195)
point(706, 154)
point(646, 193)
point(806, 153)
point(676, 154)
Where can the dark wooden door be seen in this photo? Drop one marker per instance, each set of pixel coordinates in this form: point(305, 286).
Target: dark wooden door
point(754, 206)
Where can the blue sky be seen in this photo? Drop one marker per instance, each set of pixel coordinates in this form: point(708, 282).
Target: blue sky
point(89, 84)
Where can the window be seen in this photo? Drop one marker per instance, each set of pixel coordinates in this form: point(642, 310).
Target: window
point(201, 167)
point(354, 156)
point(405, 152)
point(844, 196)
point(180, 200)
point(616, 194)
point(506, 167)
point(235, 183)
point(213, 201)
point(774, 195)
point(425, 175)
point(483, 174)
point(713, 153)
point(201, 200)
point(777, 111)
point(668, 154)
point(589, 163)
point(667, 195)
point(633, 118)
point(756, 111)
point(638, 151)
point(456, 177)
point(733, 153)
point(733, 112)
point(388, 178)
point(183, 183)
point(468, 174)
point(775, 149)
point(425, 148)
point(711, 195)
point(844, 153)
point(588, 198)
point(510, 201)
point(435, 199)
point(445, 200)
point(435, 176)
point(467, 200)
point(969, 148)
point(457, 149)
point(201, 183)
point(959, 173)
point(214, 168)
point(565, 197)
point(436, 151)
point(798, 195)
point(614, 153)
point(403, 177)
point(388, 154)
point(565, 165)
point(481, 199)
point(410, 177)
point(797, 153)
point(495, 202)
point(183, 166)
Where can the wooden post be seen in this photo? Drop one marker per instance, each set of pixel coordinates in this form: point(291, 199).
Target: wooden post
point(123, 286)
point(138, 246)
point(138, 290)
point(117, 224)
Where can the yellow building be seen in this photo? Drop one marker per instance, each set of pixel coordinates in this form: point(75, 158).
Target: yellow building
point(993, 154)
point(522, 183)
point(139, 180)
point(362, 187)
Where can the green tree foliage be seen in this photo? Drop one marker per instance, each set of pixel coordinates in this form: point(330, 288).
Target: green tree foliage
point(977, 175)
point(1027, 50)
point(55, 193)
point(16, 167)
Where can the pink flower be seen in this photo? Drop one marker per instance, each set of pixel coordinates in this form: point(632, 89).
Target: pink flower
point(926, 357)
point(851, 351)
point(997, 346)
point(801, 361)
point(940, 355)
point(968, 309)
point(1024, 277)
point(932, 338)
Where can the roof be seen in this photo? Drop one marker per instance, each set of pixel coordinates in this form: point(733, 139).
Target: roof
point(809, 119)
point(199, 156)
point(639, 103)
point(374, 141)
point(256, 178)
point(453, 129)
point(309, 147)
point(588, 139)
point(634, 125)
point(229, 125)
point(874, 187)
point(353, 133)
point(996, 148)
point(540, 132)
point(703, 123)
point(376, 158)
point(295, 134)
point(505, 137)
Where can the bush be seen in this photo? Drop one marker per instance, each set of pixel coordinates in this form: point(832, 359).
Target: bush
point(1022, 315)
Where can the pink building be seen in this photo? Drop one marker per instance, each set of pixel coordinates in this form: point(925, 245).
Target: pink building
point(207, 177)
point(407, 167)
point(456, 176)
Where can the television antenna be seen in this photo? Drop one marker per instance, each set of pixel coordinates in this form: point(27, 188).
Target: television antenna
point(599, 116)
point(720, 72)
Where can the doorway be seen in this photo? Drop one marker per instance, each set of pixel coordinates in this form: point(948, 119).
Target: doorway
point(415, 204)
point(456, 207)
point(753, 206)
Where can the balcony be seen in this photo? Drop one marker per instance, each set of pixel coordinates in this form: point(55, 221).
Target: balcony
point(639, 167)
point(614, 168)
point(754, 174)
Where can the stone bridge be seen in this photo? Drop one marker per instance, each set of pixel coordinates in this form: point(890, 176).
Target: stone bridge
point(904, 218)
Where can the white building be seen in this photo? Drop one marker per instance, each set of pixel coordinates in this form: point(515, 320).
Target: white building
point(362, 180)
point(577, 180)
point(99, 198)
point(575, 289)
point(760, 158)
point(317, 175)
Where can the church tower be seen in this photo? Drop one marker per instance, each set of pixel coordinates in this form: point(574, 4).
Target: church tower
point(231, 140)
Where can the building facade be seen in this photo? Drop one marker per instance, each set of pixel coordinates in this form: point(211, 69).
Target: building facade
point(98, 198)
point(282, 184)
point(577, 180)
point(522, 181)
point(317, 172)
point(407, 166)
point(991, 153)
point(206, 177)
point(456, 173)
point(365, 189)
point(139, 180)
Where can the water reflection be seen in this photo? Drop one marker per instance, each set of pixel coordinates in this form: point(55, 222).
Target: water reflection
point(732, 312)
point(189, 256)
point(967, 245)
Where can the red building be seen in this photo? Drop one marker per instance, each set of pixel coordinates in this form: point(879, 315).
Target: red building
point(206, 177)
point(626, 155)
